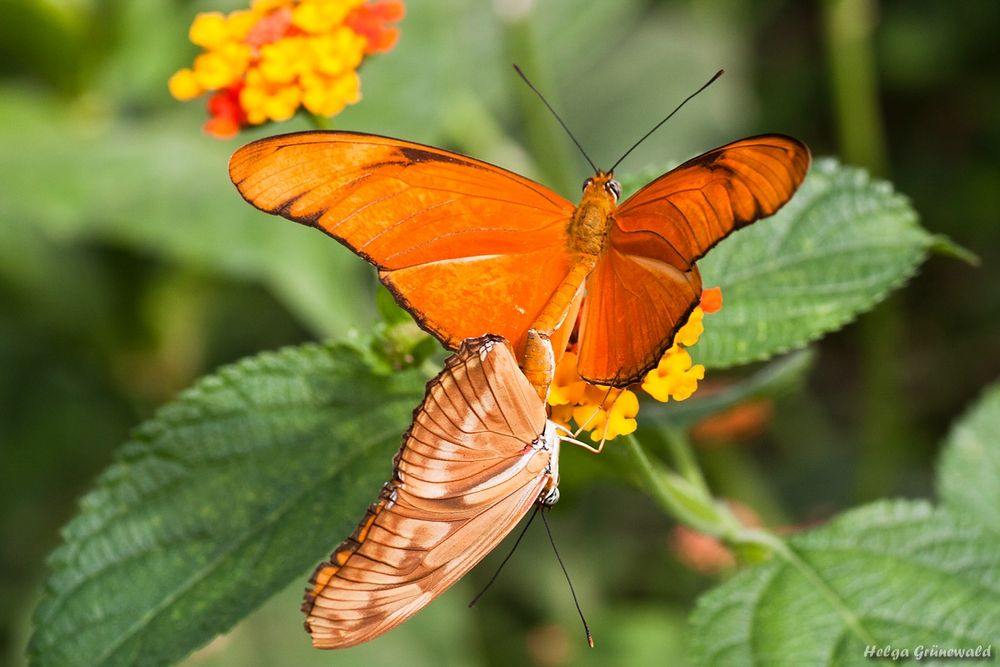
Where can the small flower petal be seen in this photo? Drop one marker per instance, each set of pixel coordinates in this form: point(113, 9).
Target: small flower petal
point(209, 30)
point(692, 330)
point(213, 70)
point(184, 85)
point(711, 300)
point(369, 20)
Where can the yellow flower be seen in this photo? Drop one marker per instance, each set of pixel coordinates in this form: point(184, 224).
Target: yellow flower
point(338, 52)
point(265, 6)
point(213, 70)
point(327, 97)
point(567, 386)
point(240, 23)
point(209, 30)
point(184, 85)
point(318, 17)
point(265, 63)
point(692, 330)
point(607, 413)
point(284, 60)
point(674, 377)
point(615, 418)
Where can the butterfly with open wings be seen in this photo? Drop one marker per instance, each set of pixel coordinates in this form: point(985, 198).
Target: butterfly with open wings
point(469, 248)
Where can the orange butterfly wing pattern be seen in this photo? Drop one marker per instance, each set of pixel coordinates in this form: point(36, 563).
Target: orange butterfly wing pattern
point(646, 283)
point(478, 455)
point(465, 246)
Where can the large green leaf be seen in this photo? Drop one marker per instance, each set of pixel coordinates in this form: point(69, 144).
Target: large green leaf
point(899, 574)
point(834, 251)
point(969, 473)
point(226, 496)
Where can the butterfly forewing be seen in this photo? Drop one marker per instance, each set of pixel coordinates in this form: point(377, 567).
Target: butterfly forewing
point(465, 246)
point(478, 455)
point(679, 216)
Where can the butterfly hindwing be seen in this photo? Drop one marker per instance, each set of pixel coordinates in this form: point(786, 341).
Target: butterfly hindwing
point(633, 308)
point(678, 217)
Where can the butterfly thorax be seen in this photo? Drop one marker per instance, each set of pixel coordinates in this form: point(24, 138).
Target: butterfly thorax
point(588, 228)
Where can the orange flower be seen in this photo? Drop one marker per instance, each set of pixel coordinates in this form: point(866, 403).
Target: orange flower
point(265, 63)
point(704, 553)
point(370, 20)
point(607, 413)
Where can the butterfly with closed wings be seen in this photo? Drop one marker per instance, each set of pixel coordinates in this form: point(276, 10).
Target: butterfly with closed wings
point(478, 455)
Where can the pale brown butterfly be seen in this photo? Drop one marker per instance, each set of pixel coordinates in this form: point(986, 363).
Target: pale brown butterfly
point(479, 454)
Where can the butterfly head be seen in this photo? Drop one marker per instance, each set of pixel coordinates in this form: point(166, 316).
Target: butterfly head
point(602, 183)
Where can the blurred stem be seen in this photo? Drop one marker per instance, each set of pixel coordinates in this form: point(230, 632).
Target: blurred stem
point(552, 155)
point(319, 122)
point(686, 502)
point(849, 27)
point(853, 75)
point(684, 458)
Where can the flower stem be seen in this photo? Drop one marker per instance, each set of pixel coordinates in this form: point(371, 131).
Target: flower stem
point(850, 27)
point(692, 504)
point(680, 498)
point(319, 122)
point(684, 458)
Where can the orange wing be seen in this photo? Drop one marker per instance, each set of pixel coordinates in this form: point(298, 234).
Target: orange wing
point(633, 308)
point(646, 284)
point(466, 247)
point(478, 455)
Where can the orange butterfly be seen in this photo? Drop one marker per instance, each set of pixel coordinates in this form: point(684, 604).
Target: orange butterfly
point(478, 455)
point(468, 248)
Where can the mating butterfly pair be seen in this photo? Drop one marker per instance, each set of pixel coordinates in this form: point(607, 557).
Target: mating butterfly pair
point(469, 248)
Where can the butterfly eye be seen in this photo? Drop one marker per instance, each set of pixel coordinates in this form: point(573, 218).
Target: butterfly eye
point(586, 183)
point(614, 187)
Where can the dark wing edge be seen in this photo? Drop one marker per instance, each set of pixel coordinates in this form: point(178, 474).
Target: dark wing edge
point(768, 181)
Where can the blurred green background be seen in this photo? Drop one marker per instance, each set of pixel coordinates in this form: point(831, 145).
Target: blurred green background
point(129, 266)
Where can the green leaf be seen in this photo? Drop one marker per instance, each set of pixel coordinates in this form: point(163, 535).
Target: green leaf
point(834, 251)
point(226, 496)
point(969, 472)
point(893, 573)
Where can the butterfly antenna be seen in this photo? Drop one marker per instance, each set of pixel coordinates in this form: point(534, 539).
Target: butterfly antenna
point(669, 116)
point(506, 558)
point(549, 107)
point(586, 628)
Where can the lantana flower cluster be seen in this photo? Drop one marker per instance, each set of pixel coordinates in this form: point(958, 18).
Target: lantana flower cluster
point(265, 63)
point(607, 412)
